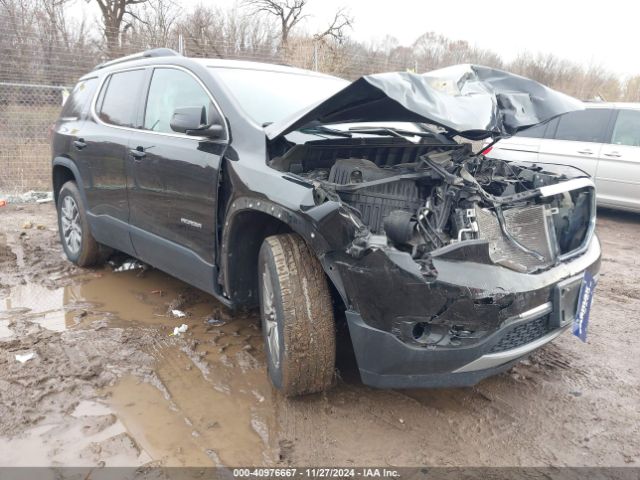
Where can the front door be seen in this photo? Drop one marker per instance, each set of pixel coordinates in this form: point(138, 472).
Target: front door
point(523, 146)
point(173, 182)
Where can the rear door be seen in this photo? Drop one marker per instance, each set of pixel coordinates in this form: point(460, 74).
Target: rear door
point(577, 139)
point(173, 181)
point(618, 175)
point(105, 136)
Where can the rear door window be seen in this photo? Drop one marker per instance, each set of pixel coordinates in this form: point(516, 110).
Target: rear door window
point(588, 125)
point(627, 128)
point(78, 102)
point(119, 103)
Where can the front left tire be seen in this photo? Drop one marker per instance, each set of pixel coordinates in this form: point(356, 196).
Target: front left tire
point(297, 316)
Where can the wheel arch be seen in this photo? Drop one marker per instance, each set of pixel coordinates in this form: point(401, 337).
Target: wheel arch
point(247, 223)
point(64, 170)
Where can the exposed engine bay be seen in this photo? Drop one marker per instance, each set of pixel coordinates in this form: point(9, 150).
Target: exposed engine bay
point(423, 193)
point(447, 197)
point(443, 258)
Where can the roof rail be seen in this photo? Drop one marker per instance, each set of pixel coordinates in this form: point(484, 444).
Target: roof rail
point(154, 52)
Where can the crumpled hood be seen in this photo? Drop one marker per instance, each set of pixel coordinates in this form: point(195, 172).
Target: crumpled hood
point(472, 101)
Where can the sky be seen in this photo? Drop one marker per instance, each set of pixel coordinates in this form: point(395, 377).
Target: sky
point(588, 32)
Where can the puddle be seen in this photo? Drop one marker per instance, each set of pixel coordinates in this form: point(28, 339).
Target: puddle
point(211, 401)
point(207, 405)
point(5, 331)
point(196, 416)
point(123, 297)
point(46, 306)
point(158, 428)
point(207, 401)
point(96, 435)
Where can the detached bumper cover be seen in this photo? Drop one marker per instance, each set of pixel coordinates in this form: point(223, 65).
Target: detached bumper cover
point(386, 359)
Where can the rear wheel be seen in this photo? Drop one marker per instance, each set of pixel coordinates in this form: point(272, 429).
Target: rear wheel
point(297, 316)
point(78, 243)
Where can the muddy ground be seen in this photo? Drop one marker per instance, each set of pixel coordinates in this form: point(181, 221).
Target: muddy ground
point(109, 385)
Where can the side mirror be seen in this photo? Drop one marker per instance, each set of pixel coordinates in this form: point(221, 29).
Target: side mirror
point(194, 121)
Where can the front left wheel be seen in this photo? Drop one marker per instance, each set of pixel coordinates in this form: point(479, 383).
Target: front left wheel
point(75, 235)
point(297, 316)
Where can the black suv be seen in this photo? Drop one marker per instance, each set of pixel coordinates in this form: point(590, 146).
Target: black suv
point(316, 199)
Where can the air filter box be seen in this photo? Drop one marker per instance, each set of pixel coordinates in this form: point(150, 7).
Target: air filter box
point(376, 202)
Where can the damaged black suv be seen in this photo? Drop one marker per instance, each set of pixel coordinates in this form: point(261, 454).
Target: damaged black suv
point(315, 198)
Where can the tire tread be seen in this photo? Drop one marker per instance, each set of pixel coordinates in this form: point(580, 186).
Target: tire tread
point(309, 327)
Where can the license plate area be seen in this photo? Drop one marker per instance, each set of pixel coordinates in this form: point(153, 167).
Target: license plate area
point(565, 301)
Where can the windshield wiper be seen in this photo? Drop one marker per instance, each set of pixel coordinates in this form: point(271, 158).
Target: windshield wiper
point(326, 130)
point(388, 131)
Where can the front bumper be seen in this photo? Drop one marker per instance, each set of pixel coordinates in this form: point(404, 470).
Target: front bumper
point(535, 317)
point(386, 362)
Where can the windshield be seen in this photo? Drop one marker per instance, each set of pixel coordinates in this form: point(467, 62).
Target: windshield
point(267, 96)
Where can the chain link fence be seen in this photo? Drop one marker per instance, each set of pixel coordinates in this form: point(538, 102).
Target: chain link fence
point(26, 113)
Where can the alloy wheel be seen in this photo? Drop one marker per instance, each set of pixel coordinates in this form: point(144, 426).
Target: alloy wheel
point(71, 228)
point(269, 316)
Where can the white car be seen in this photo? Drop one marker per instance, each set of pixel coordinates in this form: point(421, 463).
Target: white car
point(603, 140)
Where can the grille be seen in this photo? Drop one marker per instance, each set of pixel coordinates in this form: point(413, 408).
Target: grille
point(521, 335)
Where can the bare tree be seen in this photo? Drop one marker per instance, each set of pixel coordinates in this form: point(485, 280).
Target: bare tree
point(228, 33)
point(288, 12)
point(631, 90)
point(40, 43)
point(153, 25)
point(113, 16)
point(336, 30)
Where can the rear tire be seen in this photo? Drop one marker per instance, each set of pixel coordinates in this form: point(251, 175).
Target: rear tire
point(75, 234)
point(297, 316)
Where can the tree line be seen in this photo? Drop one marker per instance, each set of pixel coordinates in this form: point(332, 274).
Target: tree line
point(45, 41)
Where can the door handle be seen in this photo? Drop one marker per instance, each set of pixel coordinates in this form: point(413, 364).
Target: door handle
point(586, 152)
point(79, 144)
point(138, 153)
point(613, 154)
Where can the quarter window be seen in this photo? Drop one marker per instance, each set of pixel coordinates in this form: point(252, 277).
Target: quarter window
point(171, 89)
point(627, 128)
point(79, 99)
point(584, 125)
point(118, 104)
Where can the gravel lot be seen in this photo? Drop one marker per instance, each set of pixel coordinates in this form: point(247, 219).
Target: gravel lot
point(109, 385)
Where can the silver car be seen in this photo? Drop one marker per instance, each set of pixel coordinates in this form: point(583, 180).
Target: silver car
point(603, 140)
